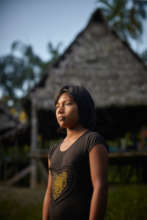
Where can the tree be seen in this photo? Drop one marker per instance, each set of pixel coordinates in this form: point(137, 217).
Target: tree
point(124, 16)
point(54, 51)
point(21, 70)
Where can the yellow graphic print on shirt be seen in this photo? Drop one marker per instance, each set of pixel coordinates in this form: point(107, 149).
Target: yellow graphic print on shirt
point(60, 182)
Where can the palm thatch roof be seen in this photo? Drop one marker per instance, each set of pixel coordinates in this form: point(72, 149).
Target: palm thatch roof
point(10, 127)
point(100, 61)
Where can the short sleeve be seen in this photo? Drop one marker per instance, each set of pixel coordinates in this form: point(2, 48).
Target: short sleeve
point(94, 139)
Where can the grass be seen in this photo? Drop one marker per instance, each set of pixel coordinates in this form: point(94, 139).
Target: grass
point(20, 203)
point(125, 202)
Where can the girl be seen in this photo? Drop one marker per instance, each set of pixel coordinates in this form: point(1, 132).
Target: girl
point(77, 182)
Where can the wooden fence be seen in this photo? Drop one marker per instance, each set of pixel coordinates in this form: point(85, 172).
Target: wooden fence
point(124, 167)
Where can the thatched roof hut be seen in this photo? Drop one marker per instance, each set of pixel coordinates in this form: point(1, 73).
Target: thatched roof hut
point(115, 76)
point(11, 130)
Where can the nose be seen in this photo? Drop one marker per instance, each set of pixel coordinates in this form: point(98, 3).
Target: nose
point(60, 109)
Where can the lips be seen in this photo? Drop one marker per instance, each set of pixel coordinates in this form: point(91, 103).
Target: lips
point(61, 118)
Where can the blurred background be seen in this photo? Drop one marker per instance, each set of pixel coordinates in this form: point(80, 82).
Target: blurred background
point(101, 44)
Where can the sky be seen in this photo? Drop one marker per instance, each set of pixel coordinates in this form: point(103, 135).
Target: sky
point(38, 22)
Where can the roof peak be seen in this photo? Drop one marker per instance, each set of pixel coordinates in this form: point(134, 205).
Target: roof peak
point(97, 17)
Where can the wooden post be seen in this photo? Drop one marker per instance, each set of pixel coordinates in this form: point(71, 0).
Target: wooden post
point(34, 133)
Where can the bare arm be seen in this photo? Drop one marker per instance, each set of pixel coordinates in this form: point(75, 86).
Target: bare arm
point(46, 201)
point(98, 158)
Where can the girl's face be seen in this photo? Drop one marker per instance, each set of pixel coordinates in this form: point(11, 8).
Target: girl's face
point(67, 112)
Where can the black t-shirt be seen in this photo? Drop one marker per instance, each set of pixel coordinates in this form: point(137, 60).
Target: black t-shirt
point(71, 181)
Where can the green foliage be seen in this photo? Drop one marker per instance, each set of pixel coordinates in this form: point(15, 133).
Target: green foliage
point(17, 203)
point(124, 16)
point(125, 202)
point(21, 70)
point(129, 139)
point(17, 71)
point(15, 153)
point(119, 174)
point(54, 51)
point(13, 160)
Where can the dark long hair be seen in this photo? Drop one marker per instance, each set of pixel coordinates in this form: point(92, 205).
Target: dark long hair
point(85, 103)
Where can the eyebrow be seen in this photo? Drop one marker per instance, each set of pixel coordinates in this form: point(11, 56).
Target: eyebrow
point(68, 99)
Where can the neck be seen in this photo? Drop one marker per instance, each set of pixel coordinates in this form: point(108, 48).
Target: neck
point(74, 131)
